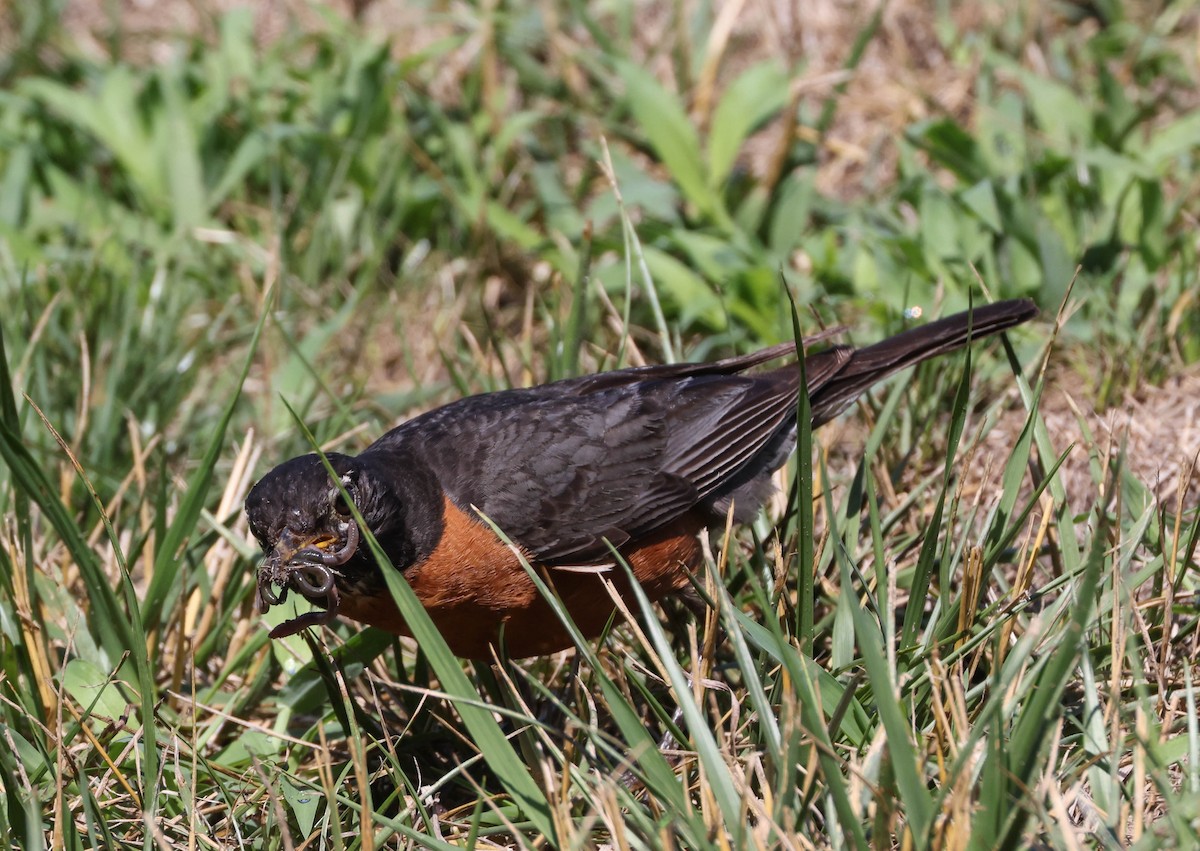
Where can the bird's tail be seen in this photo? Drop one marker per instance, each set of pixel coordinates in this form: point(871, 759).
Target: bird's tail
point(876, 362)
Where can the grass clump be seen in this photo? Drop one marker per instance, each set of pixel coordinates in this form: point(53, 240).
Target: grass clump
point(963, 625)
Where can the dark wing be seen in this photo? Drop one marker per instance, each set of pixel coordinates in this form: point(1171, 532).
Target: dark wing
point(876, 362)
point(727, 366)
point(562, 467)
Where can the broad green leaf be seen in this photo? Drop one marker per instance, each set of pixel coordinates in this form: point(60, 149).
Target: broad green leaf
point(93, 689)
point(14, 182)
point(670, 132)
point(1180, 137)
point(510, 226)
point(1062, 116)
point(693, 298)
point(251, 151)
point(951, 146)
point(795, 198)
point(753, 98)
point(31, 759)
point(939, 226)
point(1057, 266)
point(177, 151)
point(1002, 134)
point(712, 255)
point(303, 802)
point(980, 199)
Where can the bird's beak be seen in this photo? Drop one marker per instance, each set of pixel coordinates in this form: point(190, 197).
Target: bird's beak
point(290, 544)
point(329, 549)
point(305, 562)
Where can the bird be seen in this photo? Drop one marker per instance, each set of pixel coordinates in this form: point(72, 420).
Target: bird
point(636, 461)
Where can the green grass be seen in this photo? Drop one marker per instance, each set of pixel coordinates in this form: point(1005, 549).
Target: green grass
point(928, 645)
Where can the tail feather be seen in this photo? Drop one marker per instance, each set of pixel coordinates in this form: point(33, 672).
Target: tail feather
point(873, 363)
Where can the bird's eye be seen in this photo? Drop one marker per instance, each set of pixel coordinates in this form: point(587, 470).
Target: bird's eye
point(340, 507)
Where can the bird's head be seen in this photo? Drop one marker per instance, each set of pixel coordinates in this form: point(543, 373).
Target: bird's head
point(312, 541)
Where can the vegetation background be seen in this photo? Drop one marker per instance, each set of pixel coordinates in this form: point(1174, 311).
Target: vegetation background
point(970, 622)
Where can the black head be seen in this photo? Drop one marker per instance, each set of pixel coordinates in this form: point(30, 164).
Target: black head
point(312, 541)
point(299, 497)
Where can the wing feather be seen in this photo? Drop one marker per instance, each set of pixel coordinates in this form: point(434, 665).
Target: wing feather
point(563, 467)
point(605, 457)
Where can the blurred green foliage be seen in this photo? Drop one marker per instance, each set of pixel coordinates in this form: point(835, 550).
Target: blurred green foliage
point(187, 244)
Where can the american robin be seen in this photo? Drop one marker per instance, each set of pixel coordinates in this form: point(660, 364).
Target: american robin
point(640, 458)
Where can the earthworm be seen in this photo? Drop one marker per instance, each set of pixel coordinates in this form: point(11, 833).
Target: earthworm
point(334, 558)
point(304, 621)
point(266, 594)
point(308, 571)
point(311, 580)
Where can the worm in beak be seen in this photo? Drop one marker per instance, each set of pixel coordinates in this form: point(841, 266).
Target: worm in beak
point(309, 567)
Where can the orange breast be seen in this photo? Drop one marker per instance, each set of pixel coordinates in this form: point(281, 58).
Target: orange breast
point(475, 589)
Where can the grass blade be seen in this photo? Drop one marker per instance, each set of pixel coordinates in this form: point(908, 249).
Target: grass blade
point(485, 732)
point(168, 562)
